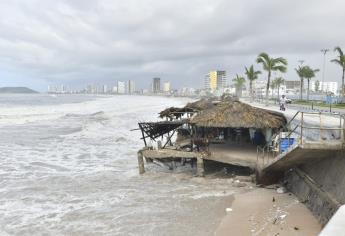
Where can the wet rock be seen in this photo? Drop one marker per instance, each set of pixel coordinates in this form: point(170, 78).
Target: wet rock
point(281, 190)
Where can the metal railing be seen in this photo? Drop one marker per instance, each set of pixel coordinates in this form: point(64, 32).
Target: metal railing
point(299, 130)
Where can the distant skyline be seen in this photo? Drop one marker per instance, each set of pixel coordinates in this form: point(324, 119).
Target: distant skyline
point(80, 42)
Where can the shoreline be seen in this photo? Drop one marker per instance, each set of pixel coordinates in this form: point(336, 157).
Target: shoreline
point(267, 212)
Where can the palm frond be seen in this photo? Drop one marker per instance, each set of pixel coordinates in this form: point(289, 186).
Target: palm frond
point(280, 60)
point(338, 49)
point(279, 68)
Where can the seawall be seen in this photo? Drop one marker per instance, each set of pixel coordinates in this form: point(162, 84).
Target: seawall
point(320, 185)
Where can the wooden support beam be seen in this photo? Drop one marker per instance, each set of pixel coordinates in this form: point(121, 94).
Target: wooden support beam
point(200, 170)
point(169, 138)
point(141, 163)
point(142, 132)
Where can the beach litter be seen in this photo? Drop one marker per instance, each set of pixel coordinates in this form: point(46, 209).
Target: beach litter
point(281, 190)
point(228, 209)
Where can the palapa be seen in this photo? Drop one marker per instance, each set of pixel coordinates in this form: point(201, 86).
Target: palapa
point(235, 114)
point(177, 112)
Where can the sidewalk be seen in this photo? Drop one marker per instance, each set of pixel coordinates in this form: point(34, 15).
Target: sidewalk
point(326, 120)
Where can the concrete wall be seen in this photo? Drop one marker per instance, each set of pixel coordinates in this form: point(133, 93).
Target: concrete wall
point(320, 185)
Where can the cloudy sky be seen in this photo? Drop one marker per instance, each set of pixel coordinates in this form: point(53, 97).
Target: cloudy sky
point(79, 42)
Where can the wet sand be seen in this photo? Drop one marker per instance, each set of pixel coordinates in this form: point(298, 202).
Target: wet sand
point(256, 213)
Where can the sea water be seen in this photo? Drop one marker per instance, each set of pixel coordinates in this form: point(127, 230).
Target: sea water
point(68, 166)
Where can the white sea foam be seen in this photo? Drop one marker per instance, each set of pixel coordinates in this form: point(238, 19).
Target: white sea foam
point(71, 169)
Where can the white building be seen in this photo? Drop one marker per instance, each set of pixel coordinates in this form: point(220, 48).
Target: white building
point(104, 89)
point(324, 86)
point(114, 89)
point(130, 87)
point(166, 87)
point(259, 89)
point(121, 87)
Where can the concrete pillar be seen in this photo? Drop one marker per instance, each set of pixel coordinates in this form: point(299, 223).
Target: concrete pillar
point(141, 163)
point(200, 167)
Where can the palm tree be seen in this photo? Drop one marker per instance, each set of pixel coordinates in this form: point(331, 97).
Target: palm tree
point(269, 65)
point(300, 72)
point(273, 86)
point(239, 82)
point(278, 82)
point(341, 62)
point(309, 73)
point(251, 76)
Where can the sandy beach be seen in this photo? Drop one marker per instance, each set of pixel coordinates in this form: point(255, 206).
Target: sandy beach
point(267, 212)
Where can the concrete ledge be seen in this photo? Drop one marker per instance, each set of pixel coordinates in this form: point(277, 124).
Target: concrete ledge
point(336, 226)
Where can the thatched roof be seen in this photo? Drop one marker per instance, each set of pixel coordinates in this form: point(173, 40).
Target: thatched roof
point(176, 112)
point(235, 114)
point(200, 105)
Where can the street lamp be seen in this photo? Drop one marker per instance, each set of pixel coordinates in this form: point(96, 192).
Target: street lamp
point(324, 51)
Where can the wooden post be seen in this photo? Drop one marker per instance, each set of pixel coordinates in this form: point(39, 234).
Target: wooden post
point(200, 167)
point(141, 163)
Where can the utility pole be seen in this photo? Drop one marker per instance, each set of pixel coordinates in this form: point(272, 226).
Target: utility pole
point(324, 51)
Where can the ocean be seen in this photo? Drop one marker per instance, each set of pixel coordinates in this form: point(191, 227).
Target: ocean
point(68, 166)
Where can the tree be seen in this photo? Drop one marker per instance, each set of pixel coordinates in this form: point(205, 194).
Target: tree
point(269, 65)
point(251, 76)
point(273, 86)
point(239, 82)
point(278, 82)
point(340, 60)
point(300, 72)
point(309, 73)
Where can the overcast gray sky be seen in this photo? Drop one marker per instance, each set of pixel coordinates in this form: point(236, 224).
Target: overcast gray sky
point(79, 42)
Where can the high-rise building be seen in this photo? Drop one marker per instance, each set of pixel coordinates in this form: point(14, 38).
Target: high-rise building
point(130, 87)
point(156, 85)
point(215, 80)
point(121, 87)
point(114, 89)
point(104, 88)
point(166, 87)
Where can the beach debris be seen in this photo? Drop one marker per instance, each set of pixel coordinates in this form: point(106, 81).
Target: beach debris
point(273, 199)
point(244, 178)
point(228, 209)
point(295, 228)
point(281, 190)
point(238, 183)
point(282, 216)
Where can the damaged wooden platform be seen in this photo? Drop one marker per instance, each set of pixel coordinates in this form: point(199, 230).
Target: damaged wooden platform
point(169, 153)
point(149, 154)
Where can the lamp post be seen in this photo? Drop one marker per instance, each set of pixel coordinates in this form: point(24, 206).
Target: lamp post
point(324, 51)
